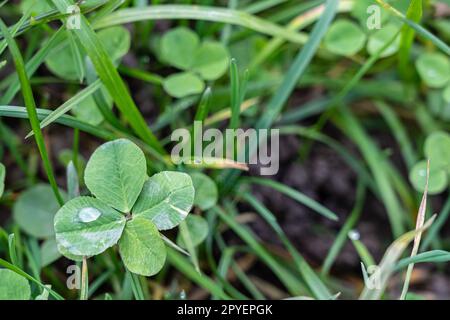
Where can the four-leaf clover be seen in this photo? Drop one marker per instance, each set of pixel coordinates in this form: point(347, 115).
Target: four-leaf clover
point(128, 208)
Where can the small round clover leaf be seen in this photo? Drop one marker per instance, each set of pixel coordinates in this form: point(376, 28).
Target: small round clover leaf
point(437, 150)
point(198, 231)
point(345, 38)
point(183, 84)
point(178, 47)
point(434, 69)
point(35, 210)
point(206, 192)
point(13, 286)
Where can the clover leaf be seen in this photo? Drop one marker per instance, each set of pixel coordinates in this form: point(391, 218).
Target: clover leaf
point(345, 38)
point(181, 48)
point(183, 84)
point(141, 247)
point(115, 174)
point(198, 231)
point(379, 39)
point(129, 208)
point(206, 192)
point(38, 7)
point(35, 209)
point(166, 199)
point(437, 150)
point(178, 47)
point(13, 286)
point(434, 69)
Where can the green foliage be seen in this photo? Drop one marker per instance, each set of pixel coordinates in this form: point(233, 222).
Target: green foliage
point(115, 174)
point(206, 193)
point(141, 247)
point(35, 209)
point(434, 69)
point(183, 84)
point(13, 286)
point(127, 209)
point(181, 48)
point(198, 231)
point(437, 151)
point(380, 37)
point(345, 38)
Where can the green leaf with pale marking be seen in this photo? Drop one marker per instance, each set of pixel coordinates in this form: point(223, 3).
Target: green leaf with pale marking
point(211, 60)
point(434, 69)
point(379, 39)
point(142, 248)
point(344, 38)
point(115, 173)
point(13, 286)
point(206, 192)
point(34, 210)
point(183, 84)
point(2, 179)
point(437, 182)
point(178, 47)
point(437, 149)
point(198, 231)
point(86, 226)
point(166, 199)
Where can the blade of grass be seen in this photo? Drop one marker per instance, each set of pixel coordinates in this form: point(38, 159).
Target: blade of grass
point(351, 221)
point(180, 263)
point(68, 105)
point(215, 14)
point(84, 291)
point(21, 112)
point(414, 13)
point(419, 223)
point(31, 108)
point(288, 280)
point(19, 271)
point(294, 194)
point(298, 67)
point(429, 256)
point(416, 27)
point(376, 161)
point(388, 262)
point(315, 284)
point(436, 227)
point(110, 77)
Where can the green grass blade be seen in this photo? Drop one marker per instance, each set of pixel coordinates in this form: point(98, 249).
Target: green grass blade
point(432, 256)
point(296, 195)
point(69, 121)
point(341, 238)
point(68, 105)
point(31, 108)
point(376, 161)
point(215, 14)
point(179, 262)
point(432, 234)
point(314, 283)
point(110, 77)
point(298, 67)
point(288, 280)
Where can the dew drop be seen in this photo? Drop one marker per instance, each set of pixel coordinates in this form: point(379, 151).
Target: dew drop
point(89, 214)
point(353, 235)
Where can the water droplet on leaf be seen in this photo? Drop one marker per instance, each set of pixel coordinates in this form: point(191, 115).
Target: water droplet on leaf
point(89, 214)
